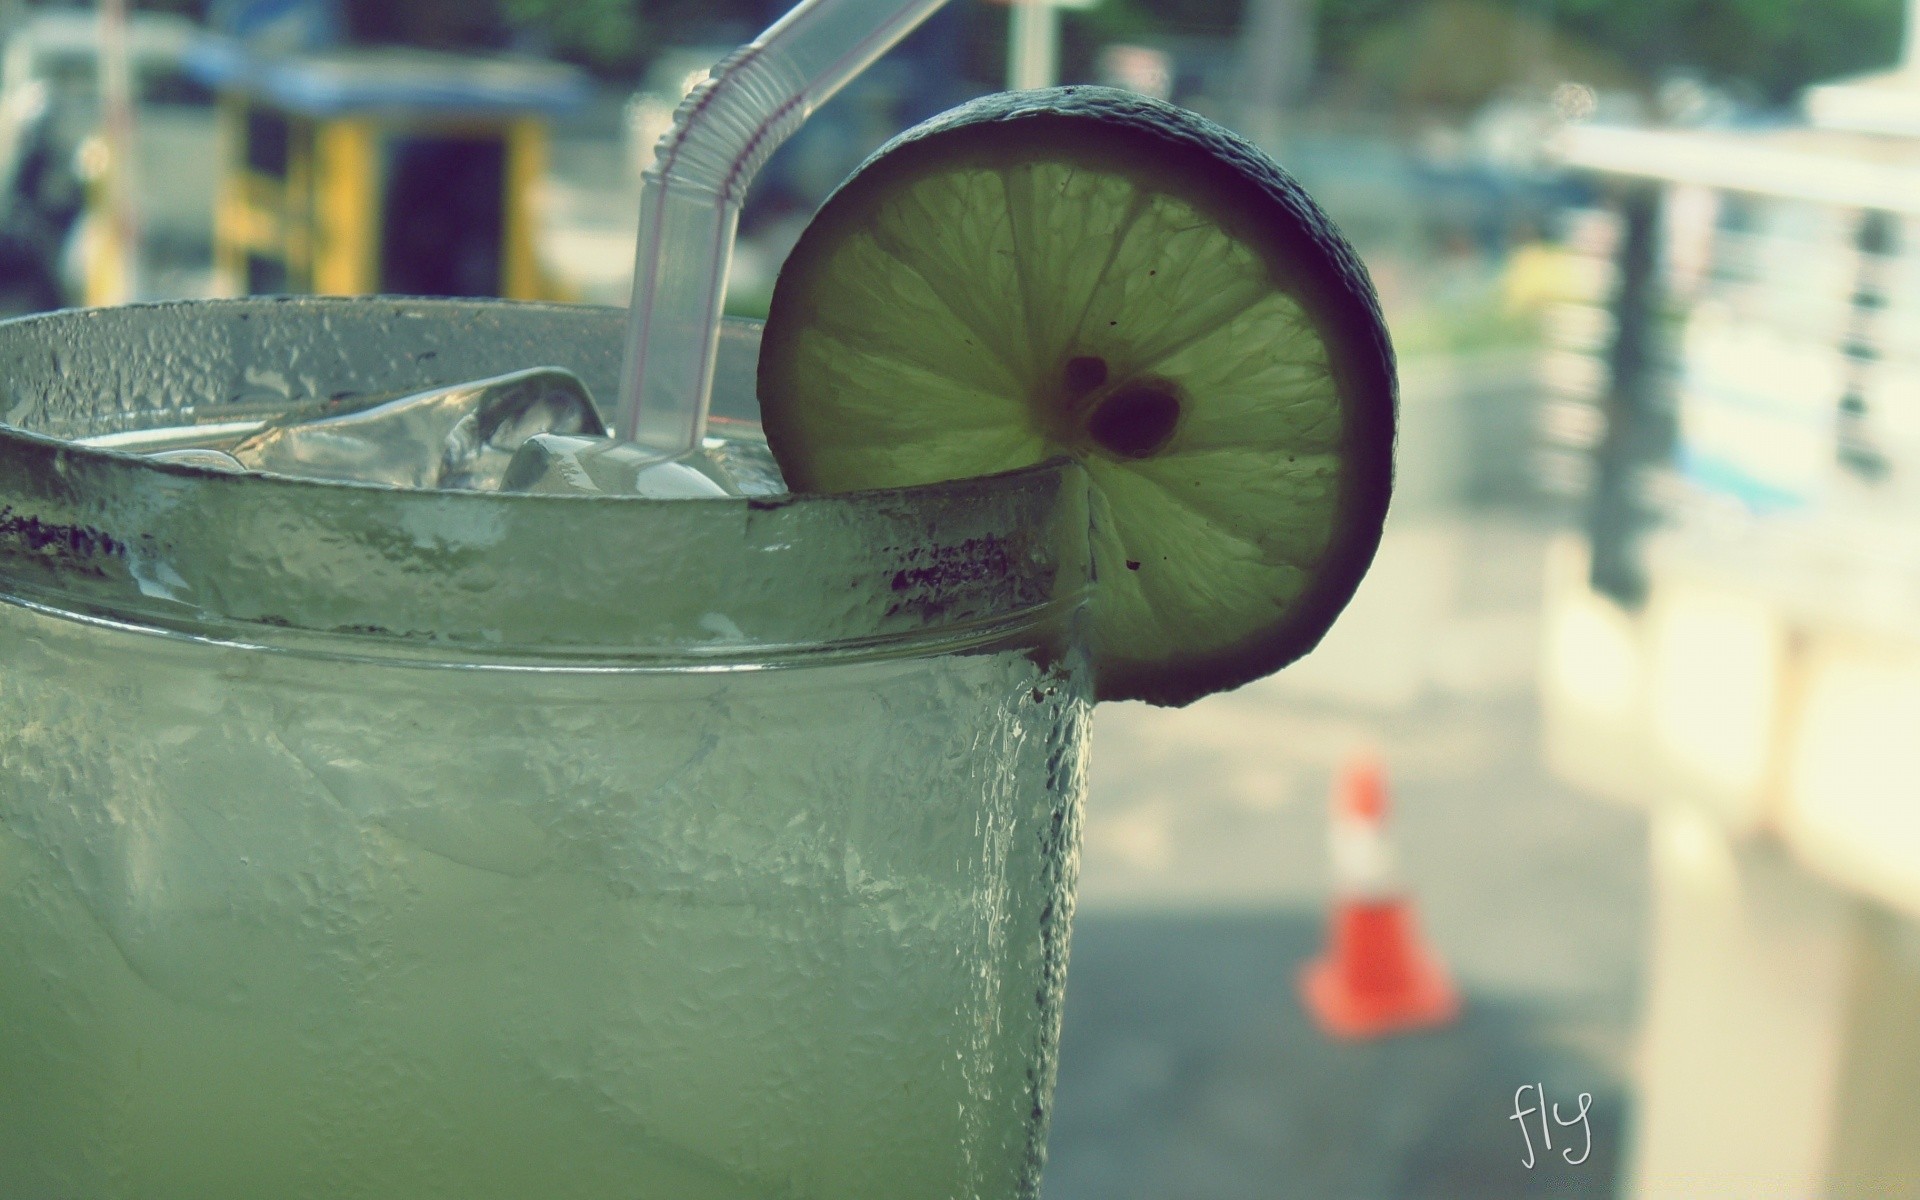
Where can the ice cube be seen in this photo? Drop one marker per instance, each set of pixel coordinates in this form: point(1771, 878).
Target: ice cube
point(556, 464)
point(461, 436)
point(200, 456)
point(746, 464)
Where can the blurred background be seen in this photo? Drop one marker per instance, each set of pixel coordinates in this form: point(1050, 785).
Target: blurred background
point(1639, 663)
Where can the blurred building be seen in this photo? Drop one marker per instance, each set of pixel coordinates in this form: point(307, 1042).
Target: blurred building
point(1734, 641)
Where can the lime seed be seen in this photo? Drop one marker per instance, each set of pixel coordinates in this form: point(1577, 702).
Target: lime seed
point(1135, 421)
point(1084, 374)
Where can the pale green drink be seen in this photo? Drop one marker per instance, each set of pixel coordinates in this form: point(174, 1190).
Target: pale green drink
point(364, 843)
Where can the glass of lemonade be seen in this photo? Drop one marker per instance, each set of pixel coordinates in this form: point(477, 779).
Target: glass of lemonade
point(375, 844)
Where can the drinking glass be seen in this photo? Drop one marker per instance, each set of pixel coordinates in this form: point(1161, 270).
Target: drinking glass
point(380, 844)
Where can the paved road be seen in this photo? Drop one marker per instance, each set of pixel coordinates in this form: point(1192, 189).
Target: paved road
point(1188, 1070)
point(1189, 1074)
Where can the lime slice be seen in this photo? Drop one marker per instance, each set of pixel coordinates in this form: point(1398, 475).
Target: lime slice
point(1088, 272)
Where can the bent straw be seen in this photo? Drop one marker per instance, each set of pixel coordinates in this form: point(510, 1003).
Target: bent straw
point(690, 199)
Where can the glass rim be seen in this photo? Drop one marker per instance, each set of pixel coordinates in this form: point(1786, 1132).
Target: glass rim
point(434, 576)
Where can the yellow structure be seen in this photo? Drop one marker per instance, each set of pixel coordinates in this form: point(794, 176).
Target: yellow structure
point(382, 171)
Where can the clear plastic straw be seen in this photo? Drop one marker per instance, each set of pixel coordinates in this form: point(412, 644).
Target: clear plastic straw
point(690, 199)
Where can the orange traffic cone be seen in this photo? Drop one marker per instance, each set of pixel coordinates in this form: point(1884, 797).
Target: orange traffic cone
point(1376, 977)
